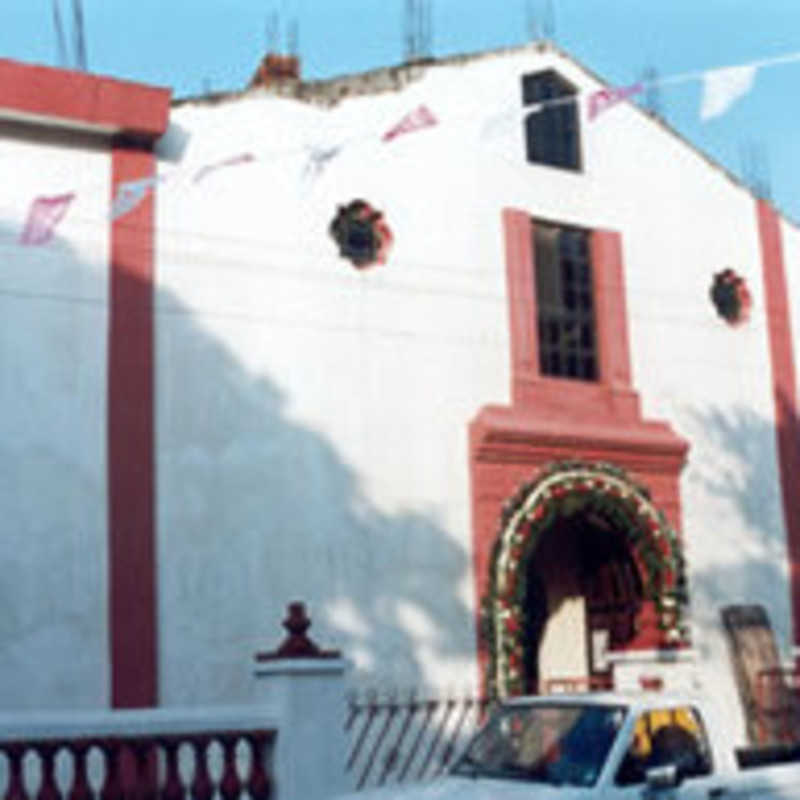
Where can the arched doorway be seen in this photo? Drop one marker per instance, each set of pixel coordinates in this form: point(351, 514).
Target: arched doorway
point(583, 560)
point(583, 592)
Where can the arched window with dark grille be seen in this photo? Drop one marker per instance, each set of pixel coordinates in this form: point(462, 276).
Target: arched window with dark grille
point(552, 133)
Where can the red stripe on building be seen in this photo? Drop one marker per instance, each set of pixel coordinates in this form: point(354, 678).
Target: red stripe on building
point(91, 101)
point(784, 388)
point(131, 490)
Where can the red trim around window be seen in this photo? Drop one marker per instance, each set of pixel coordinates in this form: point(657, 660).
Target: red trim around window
point(521, 301)
point(784, 388)
point(612, 313)
point(552, 419)
point(612, 391)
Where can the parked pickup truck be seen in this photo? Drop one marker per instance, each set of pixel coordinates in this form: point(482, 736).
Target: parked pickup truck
point(614, 746)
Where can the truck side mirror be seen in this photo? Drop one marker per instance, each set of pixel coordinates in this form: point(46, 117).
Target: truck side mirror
point(660, 778)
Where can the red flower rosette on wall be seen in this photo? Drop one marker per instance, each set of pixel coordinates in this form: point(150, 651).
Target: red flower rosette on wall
point(362, 234)
point(731, 297)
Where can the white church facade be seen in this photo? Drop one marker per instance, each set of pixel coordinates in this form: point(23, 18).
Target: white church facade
point(421, 348)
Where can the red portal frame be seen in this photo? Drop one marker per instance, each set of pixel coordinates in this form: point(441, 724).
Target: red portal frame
point(554, 419)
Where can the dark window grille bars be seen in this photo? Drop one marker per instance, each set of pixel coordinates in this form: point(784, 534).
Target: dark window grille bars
point(565, 302)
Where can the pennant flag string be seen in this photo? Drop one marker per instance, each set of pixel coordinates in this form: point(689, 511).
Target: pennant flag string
point(684, 77)
point(719, 82)
point(722, 87)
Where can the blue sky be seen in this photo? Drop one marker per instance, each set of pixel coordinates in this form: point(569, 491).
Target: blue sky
point(193, 45)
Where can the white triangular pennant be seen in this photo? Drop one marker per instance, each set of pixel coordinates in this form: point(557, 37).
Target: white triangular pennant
point(129, 194)
point(723, 87)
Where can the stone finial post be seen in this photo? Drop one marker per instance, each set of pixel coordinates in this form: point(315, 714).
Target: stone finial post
point(297, 644)
point(306, 683)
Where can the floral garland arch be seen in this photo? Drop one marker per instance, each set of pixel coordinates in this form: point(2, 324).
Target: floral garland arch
point(562, 489)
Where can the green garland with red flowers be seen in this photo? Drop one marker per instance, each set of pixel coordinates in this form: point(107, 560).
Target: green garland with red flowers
point(560, 490)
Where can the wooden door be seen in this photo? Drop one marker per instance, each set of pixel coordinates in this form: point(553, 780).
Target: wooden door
point(613, 597)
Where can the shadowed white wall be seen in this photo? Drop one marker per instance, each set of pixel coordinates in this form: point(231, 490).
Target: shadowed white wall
point(53, 354)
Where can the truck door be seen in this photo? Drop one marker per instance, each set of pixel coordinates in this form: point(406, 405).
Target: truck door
point(664, 737)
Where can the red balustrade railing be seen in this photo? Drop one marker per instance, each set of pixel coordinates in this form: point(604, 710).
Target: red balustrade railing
point(394, 740)
point(201, 765)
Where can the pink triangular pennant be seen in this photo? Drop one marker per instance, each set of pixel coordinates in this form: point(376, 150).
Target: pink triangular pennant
point(45, 213)
point(243, 158)
point(421, 117)
point(603, 99)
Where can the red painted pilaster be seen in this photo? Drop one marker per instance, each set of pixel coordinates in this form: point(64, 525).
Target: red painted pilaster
point(131, 491)
point(612, 313)
point(784, 388)
point(518, 234)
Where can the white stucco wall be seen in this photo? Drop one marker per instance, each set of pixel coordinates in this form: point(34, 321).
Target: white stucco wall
point(53, 331)
point(683, 221)
point(312, 420)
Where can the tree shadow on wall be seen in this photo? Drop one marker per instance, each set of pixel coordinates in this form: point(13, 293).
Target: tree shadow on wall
point(53, 321)
point(744, 557)
point(253, 510)
point(256, 510)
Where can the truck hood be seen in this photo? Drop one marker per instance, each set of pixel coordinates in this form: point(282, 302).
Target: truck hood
point(463, 788)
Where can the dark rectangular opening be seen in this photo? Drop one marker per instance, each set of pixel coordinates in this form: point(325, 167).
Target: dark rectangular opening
point(565, 302)
point(551, 133)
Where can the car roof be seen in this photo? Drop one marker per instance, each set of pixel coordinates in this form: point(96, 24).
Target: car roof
point(636, 701)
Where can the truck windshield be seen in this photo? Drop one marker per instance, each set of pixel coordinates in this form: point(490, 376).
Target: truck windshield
point(548, 743)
